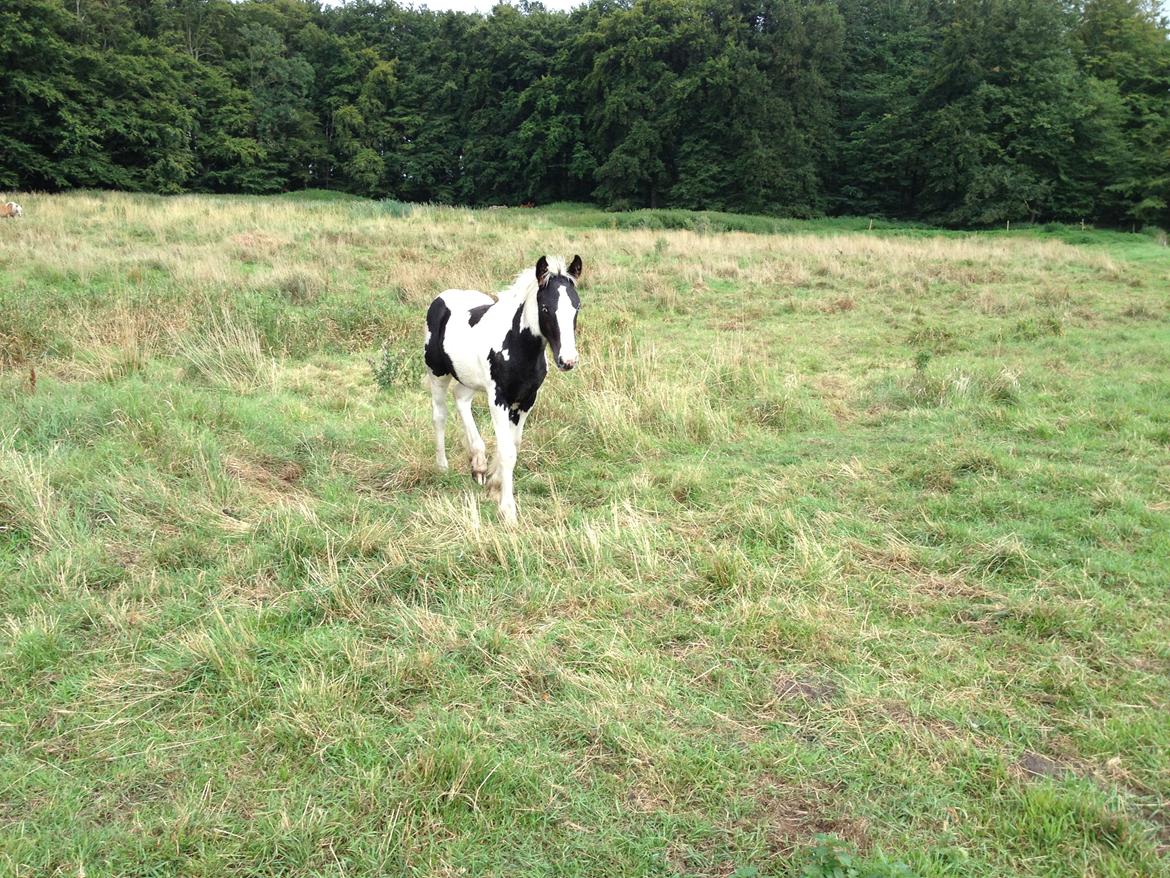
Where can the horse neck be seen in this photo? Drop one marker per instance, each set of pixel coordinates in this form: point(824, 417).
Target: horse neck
point(527, 316)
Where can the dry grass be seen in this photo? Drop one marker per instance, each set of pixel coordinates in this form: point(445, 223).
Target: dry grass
point(831, 533)
point(228, 353)
point(27, 502)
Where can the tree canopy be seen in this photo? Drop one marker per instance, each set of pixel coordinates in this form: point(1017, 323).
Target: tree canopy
point(962, 112)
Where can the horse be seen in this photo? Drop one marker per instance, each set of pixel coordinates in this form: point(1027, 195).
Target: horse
point(497, 347)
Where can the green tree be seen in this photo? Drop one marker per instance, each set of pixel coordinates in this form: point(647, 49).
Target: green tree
point(284, 127)
point(966, 113)
point(1126, 44)
point(39, 125)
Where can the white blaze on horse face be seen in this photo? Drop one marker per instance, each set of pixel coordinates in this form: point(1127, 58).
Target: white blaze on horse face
point(565, 314)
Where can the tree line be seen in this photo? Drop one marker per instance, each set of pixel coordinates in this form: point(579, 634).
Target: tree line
point(960, 112)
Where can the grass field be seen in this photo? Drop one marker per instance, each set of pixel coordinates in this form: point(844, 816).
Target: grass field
point(843, 549)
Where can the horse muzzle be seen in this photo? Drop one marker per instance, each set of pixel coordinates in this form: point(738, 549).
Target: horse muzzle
point(566, 363)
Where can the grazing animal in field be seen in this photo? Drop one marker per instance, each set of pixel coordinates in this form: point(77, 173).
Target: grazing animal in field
point(496, 346)
point(11, 209)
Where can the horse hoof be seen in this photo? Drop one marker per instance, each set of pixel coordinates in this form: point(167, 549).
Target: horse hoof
point(480, 478)
point(479, 466)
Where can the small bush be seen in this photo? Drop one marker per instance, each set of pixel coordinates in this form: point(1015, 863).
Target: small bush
point(393, 366)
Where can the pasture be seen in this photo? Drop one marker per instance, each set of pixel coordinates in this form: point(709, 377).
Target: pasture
point(840, 549)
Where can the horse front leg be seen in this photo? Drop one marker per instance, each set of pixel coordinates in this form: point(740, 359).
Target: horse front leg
point(439, 416)
point(500, 481)
point(493, 481)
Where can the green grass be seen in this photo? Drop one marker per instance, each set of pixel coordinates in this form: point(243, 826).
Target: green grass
point(581, 216)
point(843, 553)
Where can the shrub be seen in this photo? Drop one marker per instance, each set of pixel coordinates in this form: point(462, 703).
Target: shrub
point(393, 366)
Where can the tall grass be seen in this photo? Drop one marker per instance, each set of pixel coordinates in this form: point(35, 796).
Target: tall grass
point(843, 551)
point(229, 353)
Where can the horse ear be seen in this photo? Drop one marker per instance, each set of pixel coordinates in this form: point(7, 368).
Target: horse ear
point(575, 268)
point(541, 269)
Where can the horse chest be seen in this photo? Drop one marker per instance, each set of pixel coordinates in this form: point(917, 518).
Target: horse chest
point(517, 370)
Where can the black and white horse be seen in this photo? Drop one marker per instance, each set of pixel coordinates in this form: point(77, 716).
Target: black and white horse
point(497, 346)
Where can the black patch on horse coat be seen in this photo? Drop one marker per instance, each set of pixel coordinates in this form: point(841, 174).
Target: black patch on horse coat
point(475, 314)
point(436, 358)
point(518, 378)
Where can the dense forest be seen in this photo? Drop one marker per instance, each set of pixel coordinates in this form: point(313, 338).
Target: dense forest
point(960, 112)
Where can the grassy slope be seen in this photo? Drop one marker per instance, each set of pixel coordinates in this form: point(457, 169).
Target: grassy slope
point(838, 532)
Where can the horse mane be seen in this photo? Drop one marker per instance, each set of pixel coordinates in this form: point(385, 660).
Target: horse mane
point(526, 283)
